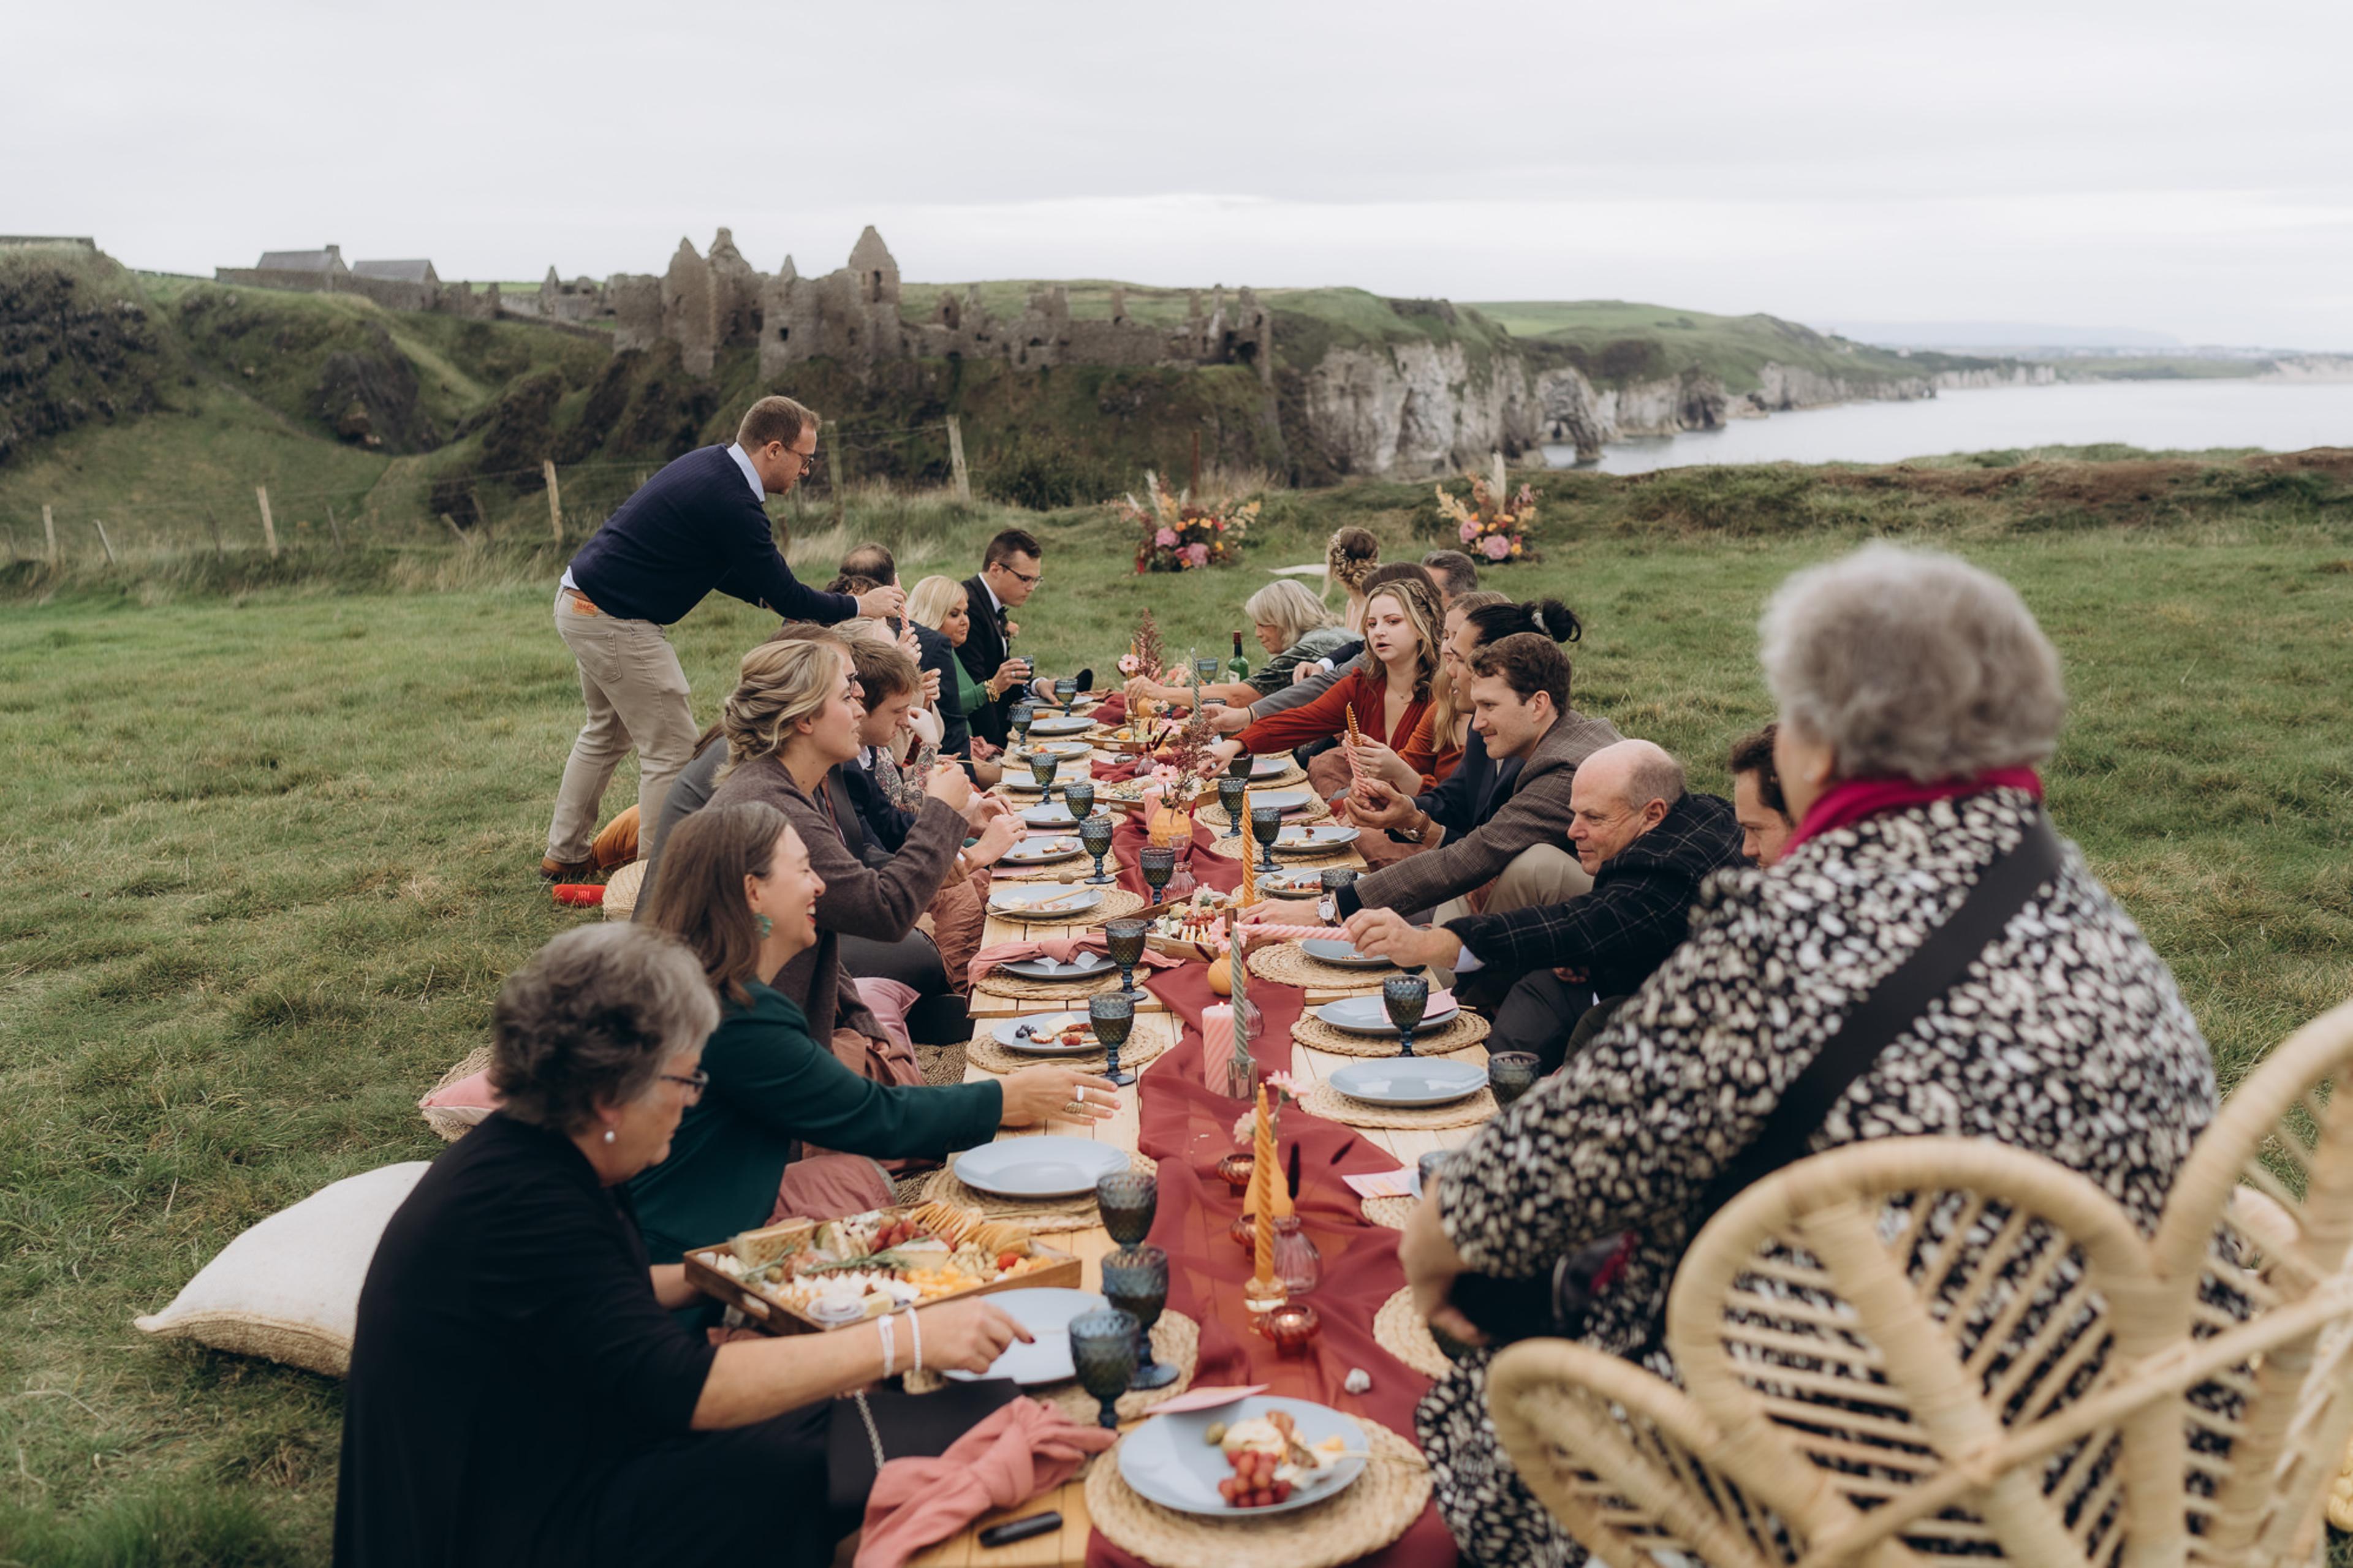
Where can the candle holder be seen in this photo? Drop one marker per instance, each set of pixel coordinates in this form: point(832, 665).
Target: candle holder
point(1230, 792)
point(1042, 769)
point(1511, 1074)
point(1124, 945)
point(1094, 836)
point(1135, 1281)
point(1405, 996)
point(1157, 863)
point(1112, 1014)
point(1103, 1349)
point(1234, 1169)
point(1266, 826)
point(1292, 1326)
point(1079, 797)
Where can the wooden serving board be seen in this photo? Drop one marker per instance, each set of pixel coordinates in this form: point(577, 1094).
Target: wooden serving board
point(776, 1318)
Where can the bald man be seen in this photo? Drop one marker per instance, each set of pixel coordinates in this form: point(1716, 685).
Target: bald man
point(1648, 844)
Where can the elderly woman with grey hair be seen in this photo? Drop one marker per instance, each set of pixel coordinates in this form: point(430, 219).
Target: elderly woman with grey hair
point(520, 1391)
point(1916, 694)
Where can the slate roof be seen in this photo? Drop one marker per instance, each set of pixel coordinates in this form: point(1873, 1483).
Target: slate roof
point(325, 260)
point(418, 270)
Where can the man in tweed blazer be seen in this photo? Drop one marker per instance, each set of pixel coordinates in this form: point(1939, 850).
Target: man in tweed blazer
point(1508, 799)
point(1648, 844)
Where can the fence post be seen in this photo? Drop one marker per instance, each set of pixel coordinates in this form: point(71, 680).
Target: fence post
point(213, 524)
point(50, 527)
point(333, 526)
point(958, 474)
point(454, 527)
point(833, 473)
point(269, 528)
point(105, 543)
point(554, 500)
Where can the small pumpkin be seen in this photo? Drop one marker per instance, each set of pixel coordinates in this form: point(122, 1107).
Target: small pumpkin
point(1222, 974)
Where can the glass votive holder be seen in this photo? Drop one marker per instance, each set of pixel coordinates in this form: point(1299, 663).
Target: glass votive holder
point(1291, 1326)
point(1234, 1169)
point(1297, 1261)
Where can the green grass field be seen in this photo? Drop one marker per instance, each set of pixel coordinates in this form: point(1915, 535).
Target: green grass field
point(272, 833)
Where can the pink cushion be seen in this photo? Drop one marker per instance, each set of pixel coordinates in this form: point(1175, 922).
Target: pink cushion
point(888, 1000)
point(473, 1093)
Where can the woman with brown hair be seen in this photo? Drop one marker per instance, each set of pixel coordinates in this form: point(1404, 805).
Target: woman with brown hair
point(1350, 556)
point(739, 891)
point(1389, 690)
point(792, 723)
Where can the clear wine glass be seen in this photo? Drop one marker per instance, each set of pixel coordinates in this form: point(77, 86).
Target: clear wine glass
point(1123, 944)
point(1094, 836)
point(1405, 996)
point(1103, 1349)
point(1112, 1014)
point(1135, 1281)
point(1231, 792)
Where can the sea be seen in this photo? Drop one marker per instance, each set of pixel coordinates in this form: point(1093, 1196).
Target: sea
point(2276, 416)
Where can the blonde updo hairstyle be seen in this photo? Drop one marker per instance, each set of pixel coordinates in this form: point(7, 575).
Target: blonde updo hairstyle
point(1350, 556)
point(782, 682)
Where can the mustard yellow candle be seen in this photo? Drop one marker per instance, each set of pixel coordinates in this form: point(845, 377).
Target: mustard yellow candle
point(1262, 1171)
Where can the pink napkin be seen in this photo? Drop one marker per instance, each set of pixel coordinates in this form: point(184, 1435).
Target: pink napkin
point(1022, 1450)
point(1061, 948)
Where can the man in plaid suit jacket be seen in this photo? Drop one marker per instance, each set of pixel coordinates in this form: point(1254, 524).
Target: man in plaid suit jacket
point(1648, 844)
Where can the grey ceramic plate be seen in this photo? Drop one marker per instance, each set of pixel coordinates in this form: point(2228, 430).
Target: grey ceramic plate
point(1048, 1167)
point(1016, 898)
point(1060, 724)
point(1366, 1015)
point(1271, 767)
point(1397, 1081)
point(1086, 966)
point(1343, 953)
point(1283, 800)
point(1318, 835)
point(1167, 1461)
point(1305, 882)
point(1041, 851)
point(1054, 816)
point(1009, 1035)
point(1063, 749)
point(1047, 1313)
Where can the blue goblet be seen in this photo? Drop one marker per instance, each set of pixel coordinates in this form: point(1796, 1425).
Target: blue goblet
point(1079, 795)
point(1231, 792)
point(1266, 826)
point(1024, 714)
point(1065, 691)
point(1042, 768)
point(1103, 1349)
point(1404, 997)
point(1094, 836)
point(1135, 1281)
point(1124, 945)
point(1112, 1014)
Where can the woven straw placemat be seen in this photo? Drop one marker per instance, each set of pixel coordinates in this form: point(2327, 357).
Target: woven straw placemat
point(449, 1122)
point(1372, 1512)
point(1176, 1342)
point(1116, 901)
point(621, 891)
point(1329, 1103)
point(1405, 1334)
point(1066, 992)
point(1287, 964)
point(1391, 1212)
point(1072, 869)
point(1040, 1216)
point(1468, 1029)
point(983, 1051)
point(1232, 849)
point(1214, 814)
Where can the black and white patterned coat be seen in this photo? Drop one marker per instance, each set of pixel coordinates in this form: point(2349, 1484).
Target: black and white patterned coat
point(2068, 1039)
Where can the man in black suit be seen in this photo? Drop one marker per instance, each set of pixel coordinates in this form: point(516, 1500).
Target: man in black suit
point(937, 655)
point(697, 525)
point(1011, 569)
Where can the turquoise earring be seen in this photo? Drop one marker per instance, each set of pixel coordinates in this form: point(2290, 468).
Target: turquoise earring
point(766, 925)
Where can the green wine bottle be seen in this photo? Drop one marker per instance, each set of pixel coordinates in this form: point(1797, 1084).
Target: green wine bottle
point(1238, 665)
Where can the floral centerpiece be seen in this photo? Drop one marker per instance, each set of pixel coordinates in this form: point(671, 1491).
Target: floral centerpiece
point(1491, 527)
point(1178, 533)
point(1144, 653)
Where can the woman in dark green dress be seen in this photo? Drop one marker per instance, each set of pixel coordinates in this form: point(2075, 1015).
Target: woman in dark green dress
point(736, 888)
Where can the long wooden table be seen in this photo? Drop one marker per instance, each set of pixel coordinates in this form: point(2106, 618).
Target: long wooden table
point(1066, 1548)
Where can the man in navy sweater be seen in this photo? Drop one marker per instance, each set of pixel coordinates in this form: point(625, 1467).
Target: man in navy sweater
point(697, 525)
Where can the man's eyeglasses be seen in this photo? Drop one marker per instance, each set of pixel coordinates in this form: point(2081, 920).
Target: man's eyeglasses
point(809, 459)
point(694, 1084)
point(1032, 578)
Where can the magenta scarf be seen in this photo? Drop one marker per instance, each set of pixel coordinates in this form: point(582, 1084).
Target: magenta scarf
point(1851, 800)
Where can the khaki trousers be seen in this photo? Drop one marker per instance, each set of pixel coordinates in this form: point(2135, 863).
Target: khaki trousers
point(1540, 874)
point(636, 693)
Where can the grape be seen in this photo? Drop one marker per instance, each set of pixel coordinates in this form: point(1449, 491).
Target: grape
point(1229, 1489)
point(1281, 1491)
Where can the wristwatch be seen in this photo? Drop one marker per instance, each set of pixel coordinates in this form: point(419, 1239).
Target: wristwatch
point(1411, 835)
point(1327, 909)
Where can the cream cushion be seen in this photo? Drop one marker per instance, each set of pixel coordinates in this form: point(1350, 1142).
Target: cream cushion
point(289, 1289)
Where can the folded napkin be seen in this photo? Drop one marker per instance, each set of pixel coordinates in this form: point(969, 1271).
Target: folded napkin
point(1397, 1184)
point(1061, 948)
point(1020, 1451)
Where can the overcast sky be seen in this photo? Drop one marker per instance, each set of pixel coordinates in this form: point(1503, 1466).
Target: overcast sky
point(2185, 168)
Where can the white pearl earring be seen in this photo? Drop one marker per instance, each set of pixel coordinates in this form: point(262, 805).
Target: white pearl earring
point(608, 1135)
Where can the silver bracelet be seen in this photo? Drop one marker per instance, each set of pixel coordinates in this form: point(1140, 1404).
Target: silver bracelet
point(915, 1325)
point(889, 1335)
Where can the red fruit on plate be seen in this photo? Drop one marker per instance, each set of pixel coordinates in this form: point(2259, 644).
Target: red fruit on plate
point(1229, 1489)
point(1281, 1491)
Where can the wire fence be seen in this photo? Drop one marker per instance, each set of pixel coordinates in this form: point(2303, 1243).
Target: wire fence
point(411, 501)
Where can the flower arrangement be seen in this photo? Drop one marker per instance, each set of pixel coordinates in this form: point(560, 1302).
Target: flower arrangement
point(1178, 533)
point(1490, 527)
point(1144, 653)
